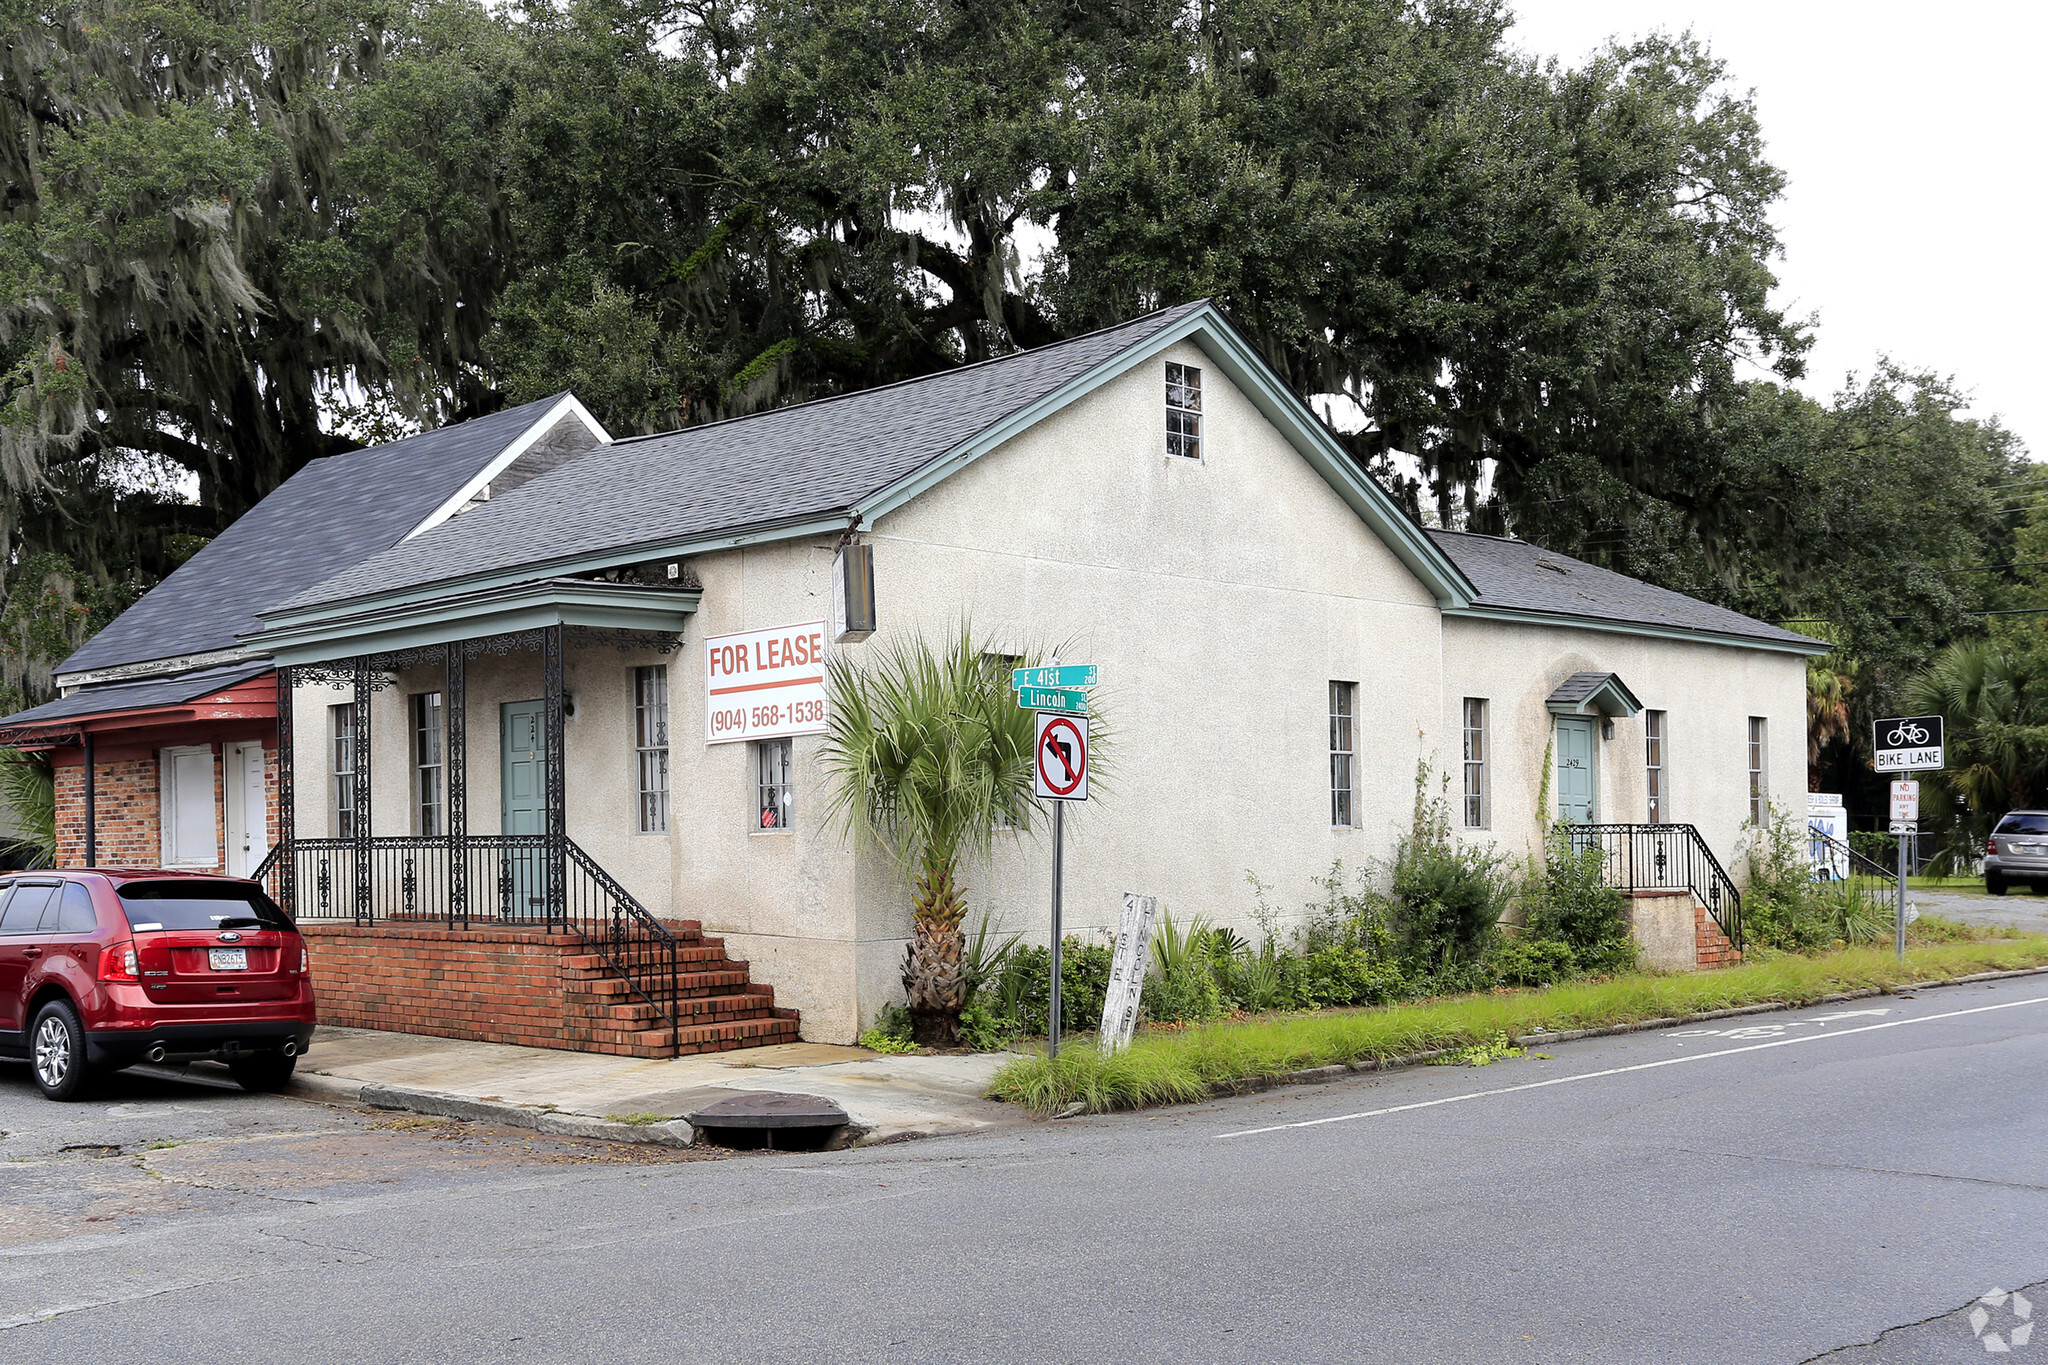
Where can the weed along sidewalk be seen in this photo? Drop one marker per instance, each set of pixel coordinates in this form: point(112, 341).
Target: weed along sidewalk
point(1182, 1067)
point(629, 1099)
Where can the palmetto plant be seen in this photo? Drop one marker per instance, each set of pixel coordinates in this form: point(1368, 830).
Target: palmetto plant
point(931, 756)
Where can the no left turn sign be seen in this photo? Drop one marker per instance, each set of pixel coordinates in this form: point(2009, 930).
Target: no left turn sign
point(1060, 758)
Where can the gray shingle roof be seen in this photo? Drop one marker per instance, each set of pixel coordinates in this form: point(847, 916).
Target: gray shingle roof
point(335, 512)
point(1517, 576)
point(136, 696)
point(788, 464)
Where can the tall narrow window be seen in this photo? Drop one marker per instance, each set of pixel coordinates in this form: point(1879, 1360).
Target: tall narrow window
point(1184, 411)
point(1343, 771)
point(342, 779)
point(776, 796)
point(1653, 764)
point(650, 746)
point(1476, 785)
point(1759, 794)
point(430, 792)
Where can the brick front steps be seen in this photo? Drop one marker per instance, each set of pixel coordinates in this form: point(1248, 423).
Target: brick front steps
point(498, 984)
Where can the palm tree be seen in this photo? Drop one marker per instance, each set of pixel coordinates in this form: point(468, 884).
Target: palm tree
point(1830, 686)
point(1997, 722)
point(931, 756)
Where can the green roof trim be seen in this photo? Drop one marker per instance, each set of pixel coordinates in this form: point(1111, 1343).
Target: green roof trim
point(1514, 616)
point(346, 633)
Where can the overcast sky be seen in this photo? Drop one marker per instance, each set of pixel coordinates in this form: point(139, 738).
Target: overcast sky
point(1912, 137)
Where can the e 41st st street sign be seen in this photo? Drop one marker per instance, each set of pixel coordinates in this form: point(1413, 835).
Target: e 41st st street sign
point(1052, 699)
point(1060, 675)
point(1906, 744)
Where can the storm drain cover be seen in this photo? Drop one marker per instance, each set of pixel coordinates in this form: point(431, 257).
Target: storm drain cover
point(770, 1109)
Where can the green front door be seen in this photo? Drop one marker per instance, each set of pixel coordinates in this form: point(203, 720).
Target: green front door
point(523, 783)
point(1577, 788)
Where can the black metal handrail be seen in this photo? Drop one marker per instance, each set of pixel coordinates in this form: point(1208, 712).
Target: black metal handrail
point(1666, 857)
point(1837, 863)
point(498, 880)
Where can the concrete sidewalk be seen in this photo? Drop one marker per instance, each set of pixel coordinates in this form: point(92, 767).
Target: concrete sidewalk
point(574, 1093)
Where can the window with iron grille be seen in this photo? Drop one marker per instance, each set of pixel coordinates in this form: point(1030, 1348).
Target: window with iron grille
point(1476, 785)
point(1184, 411)
point(650, 746)
point(1655, 777)
point(342, 778)
point(1759, 795)
point(1343, 755)
point(776, 801)
point(430, 793)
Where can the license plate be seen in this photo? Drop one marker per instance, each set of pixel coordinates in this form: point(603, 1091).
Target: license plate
point(2026, 848)
point(228, 959)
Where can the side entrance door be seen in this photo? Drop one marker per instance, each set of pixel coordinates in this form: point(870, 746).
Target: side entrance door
point(248, 818)
point(523, 745)
point(1577, 788)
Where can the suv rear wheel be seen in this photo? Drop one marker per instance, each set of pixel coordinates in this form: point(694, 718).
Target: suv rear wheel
point(1994, 885)
point(57, 1051)
point(264, 1071)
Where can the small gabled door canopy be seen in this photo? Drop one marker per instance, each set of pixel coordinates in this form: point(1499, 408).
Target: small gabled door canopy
point(1586, 694)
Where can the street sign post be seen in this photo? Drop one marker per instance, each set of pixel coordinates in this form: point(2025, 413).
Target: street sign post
point(1906, 744)
point(1059, 774)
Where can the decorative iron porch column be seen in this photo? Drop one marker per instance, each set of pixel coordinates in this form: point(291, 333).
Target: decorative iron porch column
point(455, 749)
point(557, 826)
point(360, 819)
point(287, 798)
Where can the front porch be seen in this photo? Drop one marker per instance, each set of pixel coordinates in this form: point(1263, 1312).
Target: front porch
point(457, 902)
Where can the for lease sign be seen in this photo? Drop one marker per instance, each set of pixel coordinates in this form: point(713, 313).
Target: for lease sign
point(763, 684)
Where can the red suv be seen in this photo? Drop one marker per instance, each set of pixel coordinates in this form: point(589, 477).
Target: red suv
point(103, 969)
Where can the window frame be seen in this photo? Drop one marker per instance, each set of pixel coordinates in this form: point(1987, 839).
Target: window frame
point(651, 812)
point(1184, 438)
point(1758, 751)
point(1475, 804)
point(341, 776)
point(1657, 766)
point(1343, 717)
point(429, 779)
point(763, 788)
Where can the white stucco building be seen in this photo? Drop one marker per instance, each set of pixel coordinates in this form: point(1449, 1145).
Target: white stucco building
point(1280, 647)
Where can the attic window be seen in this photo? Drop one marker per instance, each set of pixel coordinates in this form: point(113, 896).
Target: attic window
point(1184, 411)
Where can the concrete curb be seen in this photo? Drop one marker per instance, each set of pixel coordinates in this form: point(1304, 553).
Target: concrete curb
point(674, 1133)
point(1317, 1075)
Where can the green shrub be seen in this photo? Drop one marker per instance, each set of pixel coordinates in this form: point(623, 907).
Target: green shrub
point(1570, 901)
point(1447, 897)
point(984, 1027)
point(1186, 993)
point(1534, 961)
point(1785, 910)
point(1338, 976)
point(1084, 984)
point(891, 1032)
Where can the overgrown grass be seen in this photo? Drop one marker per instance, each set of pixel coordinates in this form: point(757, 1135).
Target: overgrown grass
point(1174, 1068)
point(1963, 884)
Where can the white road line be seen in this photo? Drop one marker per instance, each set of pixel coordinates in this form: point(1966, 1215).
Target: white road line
point(1623, 1070)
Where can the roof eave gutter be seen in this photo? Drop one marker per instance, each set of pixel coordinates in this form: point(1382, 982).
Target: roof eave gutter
point(1803, 647)
point(727, 538)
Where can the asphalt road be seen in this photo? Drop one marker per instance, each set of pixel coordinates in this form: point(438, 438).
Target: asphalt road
point(1849, 1180)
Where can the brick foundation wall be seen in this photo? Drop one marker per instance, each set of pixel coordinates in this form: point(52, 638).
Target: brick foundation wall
point(130, 832)
point(1711, 947)
point(493, 985)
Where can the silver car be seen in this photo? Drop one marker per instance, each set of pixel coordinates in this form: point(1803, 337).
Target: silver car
point(2017, 852)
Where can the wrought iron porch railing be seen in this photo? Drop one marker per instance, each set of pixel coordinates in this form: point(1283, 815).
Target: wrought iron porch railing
point(1837, 863)
point(1666, 857)
point(495, 879)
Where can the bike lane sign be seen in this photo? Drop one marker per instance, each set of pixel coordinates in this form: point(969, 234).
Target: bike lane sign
point(1906, 744)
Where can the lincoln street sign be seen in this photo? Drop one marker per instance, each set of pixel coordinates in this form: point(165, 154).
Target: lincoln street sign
point(1052, 699)
point(1906, 744)
point(1067, 675)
